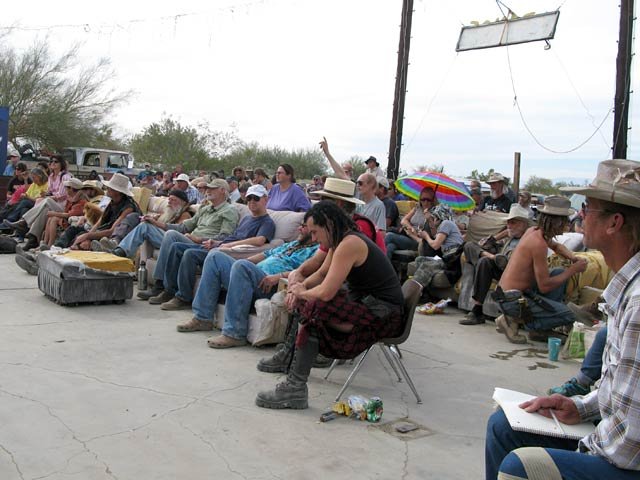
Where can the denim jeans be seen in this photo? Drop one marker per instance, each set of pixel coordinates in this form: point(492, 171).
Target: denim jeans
point(501, 440)
point(185, 261)
point(397, 241)
point(241, 294)
point(135, 238)
point(592, 364)
point(216, 273)
point(164, 258)
point(542, 319)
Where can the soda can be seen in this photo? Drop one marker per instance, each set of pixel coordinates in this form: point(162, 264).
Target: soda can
point(374, 409)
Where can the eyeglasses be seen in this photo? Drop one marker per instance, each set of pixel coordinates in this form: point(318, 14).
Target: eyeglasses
point(253, 198)
point(426, 200)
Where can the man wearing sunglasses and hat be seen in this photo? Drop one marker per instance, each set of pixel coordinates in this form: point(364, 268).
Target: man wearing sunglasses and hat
point(612, 226)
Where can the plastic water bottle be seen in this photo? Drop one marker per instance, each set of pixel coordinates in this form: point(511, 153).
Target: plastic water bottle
point(142, 276)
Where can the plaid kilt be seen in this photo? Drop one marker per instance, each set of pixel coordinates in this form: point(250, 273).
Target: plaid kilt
point(367, 329)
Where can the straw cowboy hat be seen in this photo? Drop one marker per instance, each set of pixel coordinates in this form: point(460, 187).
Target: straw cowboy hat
point(119, 183)
point(339, 189)
point(617, 181)
point(74, 183)
point(95, 185)
point(557, 205)
point(518, 212)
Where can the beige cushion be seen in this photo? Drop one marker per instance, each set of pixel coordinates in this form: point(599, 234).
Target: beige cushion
point(157, 205)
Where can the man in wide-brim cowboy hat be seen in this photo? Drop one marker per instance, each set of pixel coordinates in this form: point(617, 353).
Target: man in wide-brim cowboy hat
point(612, 226)
point(121, 205)
point(528, 294)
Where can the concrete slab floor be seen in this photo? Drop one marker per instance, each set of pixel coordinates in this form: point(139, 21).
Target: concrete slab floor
point(114, 392)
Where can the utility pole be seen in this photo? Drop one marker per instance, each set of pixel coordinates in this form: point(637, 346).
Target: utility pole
point(397, 119)
point(623, 80)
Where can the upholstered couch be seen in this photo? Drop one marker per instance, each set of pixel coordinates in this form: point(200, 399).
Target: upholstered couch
point(287, 224)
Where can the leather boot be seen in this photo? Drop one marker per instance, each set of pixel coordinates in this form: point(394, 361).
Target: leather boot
point(281, 359)
point(156, 289)
point(293, 392)
point(32, 242)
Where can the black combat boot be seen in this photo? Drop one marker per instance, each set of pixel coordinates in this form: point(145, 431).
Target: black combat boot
point(281, 359)
point(293, 393)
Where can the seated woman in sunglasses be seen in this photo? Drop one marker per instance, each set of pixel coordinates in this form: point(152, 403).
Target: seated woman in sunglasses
point(412, 224)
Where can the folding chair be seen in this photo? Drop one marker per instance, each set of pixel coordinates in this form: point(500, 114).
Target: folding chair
point(411, 291)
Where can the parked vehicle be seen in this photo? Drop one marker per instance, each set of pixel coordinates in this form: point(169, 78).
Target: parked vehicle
point(81, 161)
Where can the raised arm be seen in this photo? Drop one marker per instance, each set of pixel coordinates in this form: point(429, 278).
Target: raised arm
point(337, 168)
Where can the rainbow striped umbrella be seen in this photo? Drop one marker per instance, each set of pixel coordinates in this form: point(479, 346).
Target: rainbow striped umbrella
point(448, 191)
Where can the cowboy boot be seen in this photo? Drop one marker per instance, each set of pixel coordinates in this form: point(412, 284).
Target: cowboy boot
point(293, 392)
point(281, 359)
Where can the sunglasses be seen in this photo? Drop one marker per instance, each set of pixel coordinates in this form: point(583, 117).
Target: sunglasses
point(426, 199)
point(253, 198)
point(360, 183)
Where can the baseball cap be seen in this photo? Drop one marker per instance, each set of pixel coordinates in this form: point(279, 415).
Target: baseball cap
point(258, 191)
point(218, 183)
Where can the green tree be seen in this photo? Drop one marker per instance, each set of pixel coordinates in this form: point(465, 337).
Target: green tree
point(537, 184)
point(483, 177)
point(53, 101)
point(305, 162)
point(167, 143)
point(436, 167)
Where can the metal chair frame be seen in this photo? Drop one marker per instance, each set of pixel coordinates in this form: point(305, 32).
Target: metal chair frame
point(411, 291)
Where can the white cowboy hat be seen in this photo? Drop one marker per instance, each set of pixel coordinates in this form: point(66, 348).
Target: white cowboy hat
point(119, 183)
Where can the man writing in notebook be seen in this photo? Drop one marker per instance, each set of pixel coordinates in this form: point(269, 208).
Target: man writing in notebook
point(612, 225)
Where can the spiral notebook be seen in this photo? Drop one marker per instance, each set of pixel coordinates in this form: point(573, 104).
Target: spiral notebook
point(534, 422)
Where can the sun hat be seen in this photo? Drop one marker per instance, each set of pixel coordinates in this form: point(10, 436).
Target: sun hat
point(557, 205)
point(257, 190)
point(218, 183)
point(617, 181)
point(496, 177)
point(183, 177)
point(518, 212)
point(95, 184)
point(339, 189)
point(120, 183)
point(74, 183)
point(372, 159)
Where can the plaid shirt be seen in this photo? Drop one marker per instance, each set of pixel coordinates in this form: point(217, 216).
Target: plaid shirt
point(617, 400)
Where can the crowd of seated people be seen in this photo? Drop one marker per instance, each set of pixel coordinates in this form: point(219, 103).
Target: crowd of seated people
point(343, 291)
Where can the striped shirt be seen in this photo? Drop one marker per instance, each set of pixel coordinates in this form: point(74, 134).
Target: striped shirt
point(617, 400)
